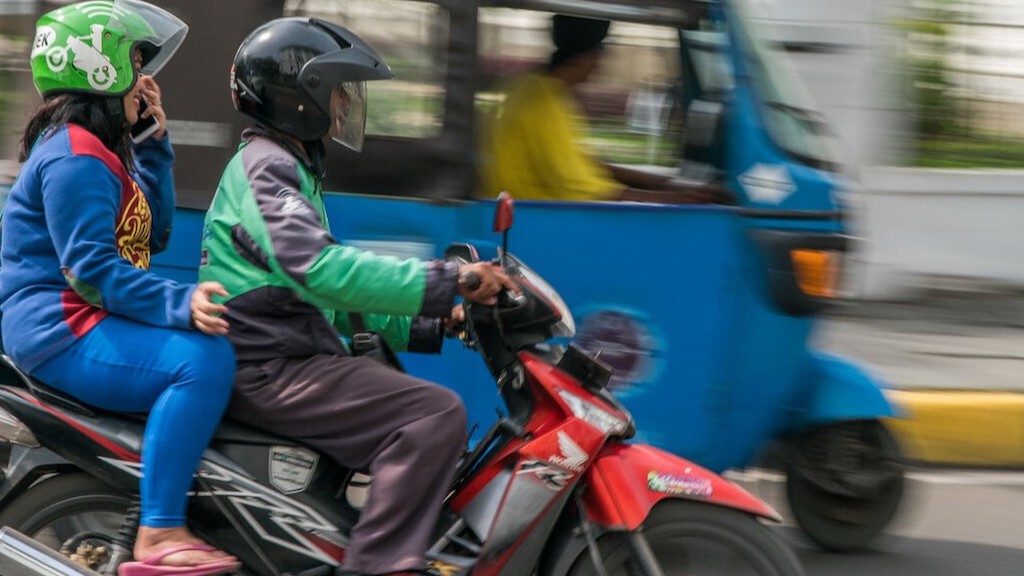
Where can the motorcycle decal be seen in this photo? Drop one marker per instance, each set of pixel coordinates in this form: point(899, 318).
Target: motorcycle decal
point(692, 486)
point(291, 468)
point(294, 525)
point(552, 477)
point(273, 517)
point(573, 457)
point(132, 468)
point(566, 465)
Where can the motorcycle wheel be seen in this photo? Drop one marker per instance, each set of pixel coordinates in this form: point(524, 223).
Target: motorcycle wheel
point(844, 483)
point(75, 514)
point(695, 539)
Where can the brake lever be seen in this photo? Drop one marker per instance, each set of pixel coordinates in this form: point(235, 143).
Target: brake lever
point(512, 299)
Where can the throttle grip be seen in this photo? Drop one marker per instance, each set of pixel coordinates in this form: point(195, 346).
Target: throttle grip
point(469, 281)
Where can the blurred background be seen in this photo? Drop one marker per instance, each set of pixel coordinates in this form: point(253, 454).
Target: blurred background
point(926, 98)
point(926, 101)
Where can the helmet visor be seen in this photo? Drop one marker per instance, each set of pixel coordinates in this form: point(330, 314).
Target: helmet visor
point(165, 36)
point(348, 114)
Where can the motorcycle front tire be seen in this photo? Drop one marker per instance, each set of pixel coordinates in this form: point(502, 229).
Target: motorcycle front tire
point(697, 538)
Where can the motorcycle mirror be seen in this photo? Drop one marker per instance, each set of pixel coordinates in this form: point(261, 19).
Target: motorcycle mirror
point(503, 214)
point(461, 252)
point(503, 222)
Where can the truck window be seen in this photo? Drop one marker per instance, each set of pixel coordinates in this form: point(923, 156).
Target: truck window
point(631, 101)
point(412, 37)
point(789, 115)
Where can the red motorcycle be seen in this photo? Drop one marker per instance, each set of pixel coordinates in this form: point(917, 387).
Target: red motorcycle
point(553, 488)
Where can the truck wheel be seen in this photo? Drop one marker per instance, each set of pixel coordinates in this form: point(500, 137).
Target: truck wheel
point(844, 482)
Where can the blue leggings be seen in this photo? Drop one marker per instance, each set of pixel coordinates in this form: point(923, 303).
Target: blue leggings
point(182, 378)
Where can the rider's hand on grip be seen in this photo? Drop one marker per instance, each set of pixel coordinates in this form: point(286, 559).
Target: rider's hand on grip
point(481, 282)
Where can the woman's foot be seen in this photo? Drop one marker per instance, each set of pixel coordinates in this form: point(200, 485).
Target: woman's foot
point(150, 541)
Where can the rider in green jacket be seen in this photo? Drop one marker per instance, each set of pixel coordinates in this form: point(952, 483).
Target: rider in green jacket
point(293, 287)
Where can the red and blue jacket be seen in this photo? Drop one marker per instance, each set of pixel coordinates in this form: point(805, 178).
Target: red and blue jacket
point(78, 234)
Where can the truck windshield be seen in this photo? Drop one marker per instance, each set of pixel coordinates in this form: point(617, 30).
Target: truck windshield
point(790, 117)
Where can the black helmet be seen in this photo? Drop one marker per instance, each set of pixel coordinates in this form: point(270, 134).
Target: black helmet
point(306, 77)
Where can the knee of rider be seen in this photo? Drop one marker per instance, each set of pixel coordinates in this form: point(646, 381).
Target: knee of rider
point(454, 412)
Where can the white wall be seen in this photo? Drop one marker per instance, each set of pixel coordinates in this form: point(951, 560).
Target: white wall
point(845, 53)
point(925, 229)
point(916, 229)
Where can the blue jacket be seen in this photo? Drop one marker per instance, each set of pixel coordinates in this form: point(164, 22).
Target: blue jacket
point(78, 234)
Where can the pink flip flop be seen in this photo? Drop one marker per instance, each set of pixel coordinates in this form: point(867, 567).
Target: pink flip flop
point(151, 566)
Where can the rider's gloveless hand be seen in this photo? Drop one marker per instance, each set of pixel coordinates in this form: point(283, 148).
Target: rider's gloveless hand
point(491, 282)
point(206, 314)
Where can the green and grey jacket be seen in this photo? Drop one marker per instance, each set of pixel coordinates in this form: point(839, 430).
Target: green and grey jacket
point(291, 284)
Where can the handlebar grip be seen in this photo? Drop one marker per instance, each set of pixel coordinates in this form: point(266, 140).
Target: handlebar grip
point(470, 281)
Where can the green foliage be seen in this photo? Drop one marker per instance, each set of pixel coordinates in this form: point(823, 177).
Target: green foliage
point(943, 133)
point(977, 153)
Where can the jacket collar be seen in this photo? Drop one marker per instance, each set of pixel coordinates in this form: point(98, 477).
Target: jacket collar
point(311, 153)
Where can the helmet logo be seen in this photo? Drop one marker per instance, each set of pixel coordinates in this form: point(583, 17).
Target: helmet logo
point(88, 56)
point(45, 37)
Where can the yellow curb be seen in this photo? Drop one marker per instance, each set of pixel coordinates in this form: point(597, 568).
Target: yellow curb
point(961, 427)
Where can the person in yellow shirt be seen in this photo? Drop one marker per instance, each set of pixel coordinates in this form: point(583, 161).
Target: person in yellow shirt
point(534, 146)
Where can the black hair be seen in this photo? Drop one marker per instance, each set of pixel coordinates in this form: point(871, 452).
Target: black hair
point(574, 35)
point(103, 116)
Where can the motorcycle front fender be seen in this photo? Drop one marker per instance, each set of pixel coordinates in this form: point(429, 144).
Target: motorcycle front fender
point(626, 481)
point(840, 389)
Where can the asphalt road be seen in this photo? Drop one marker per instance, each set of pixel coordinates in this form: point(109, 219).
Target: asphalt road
point(952, 523)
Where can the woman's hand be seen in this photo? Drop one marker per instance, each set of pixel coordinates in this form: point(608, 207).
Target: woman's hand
point(206, 314)
point(481, 282)
point(151, 94)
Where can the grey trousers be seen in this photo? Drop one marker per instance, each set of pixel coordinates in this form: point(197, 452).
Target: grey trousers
point(408, 433)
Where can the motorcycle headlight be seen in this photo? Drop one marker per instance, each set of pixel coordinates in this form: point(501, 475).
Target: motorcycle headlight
point(605, 421)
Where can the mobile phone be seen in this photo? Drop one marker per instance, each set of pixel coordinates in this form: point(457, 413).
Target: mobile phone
point(144, 127)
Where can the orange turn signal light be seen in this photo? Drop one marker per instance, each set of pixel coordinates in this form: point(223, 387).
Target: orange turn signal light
point(817, 272)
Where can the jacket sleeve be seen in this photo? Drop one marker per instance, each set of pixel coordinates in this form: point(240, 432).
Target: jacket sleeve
point(155, 162)
point(338, 277)
point(81, 197)
point(402, 333)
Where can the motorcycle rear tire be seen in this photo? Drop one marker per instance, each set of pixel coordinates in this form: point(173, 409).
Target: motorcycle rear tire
point(697, 538)
point(61, 506)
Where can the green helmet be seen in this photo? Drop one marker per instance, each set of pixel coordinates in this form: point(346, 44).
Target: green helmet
point(87, 47)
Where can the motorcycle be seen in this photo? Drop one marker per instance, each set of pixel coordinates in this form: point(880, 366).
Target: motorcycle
point(553, 488)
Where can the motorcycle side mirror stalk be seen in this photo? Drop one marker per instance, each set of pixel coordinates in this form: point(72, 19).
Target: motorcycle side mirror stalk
point(503, 216)
point(461, 252)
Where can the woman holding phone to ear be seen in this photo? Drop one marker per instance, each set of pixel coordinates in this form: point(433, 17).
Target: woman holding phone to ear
point(152, 121)
point(81, 311)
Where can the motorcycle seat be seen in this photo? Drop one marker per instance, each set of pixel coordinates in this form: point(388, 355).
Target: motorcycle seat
point(44, 392)
point(229, 430)
point(236, 432)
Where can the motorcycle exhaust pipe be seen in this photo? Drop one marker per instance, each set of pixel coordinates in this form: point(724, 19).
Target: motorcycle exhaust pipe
point(23, 556)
